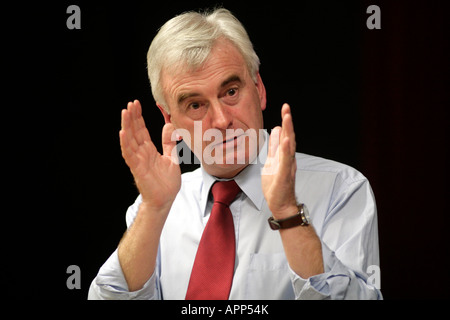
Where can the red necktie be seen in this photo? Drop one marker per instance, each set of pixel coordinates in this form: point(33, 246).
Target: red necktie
point(212, 274)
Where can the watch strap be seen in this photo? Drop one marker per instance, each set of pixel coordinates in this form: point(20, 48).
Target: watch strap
point(290, 222)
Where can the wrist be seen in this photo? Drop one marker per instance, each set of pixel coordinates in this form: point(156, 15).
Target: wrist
point(149, 209)
point(286, 212)
point(300, 218)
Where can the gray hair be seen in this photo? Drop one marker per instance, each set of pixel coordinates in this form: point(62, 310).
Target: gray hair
point(187, 40)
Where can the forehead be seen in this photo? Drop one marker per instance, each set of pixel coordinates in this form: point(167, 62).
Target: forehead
point(224, 61)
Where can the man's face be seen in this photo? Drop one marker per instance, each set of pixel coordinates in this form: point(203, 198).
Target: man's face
point(222, 97)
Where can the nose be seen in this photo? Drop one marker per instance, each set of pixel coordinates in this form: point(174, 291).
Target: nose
point(220, 116)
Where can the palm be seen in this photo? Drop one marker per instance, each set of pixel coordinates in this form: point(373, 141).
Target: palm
point(278, 175)
point(158, 177)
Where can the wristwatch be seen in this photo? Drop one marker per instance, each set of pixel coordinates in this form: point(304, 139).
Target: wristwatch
point(301, 218)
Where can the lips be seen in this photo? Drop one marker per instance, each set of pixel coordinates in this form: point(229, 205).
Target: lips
point(227, 142)
point(232, 142)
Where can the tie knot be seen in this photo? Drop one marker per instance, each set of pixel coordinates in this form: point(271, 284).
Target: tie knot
point(225, 191)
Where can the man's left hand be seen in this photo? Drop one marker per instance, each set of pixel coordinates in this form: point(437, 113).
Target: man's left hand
point(278, 175)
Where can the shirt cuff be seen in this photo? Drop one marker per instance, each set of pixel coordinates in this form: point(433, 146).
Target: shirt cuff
point(308, 289)
point(338, 282)
point(110, 284)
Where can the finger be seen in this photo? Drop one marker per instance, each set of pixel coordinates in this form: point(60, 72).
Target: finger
point(127, 142)
point(136, 114)
point(128, 151)
point(128, 117)
point(274, 141)
point(133, 117)
point(140, 123)
point(137, 123)
point(137, 108)
point(285, 109)
point(125, 123)
point(288, 127)
point(127, 135)
point(169, 145)
point(287, 142)
point(288, 132)
point(271, 163)
point(285, 162)
point(132, 138)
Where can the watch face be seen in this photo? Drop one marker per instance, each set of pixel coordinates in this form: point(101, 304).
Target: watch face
point(306, 213)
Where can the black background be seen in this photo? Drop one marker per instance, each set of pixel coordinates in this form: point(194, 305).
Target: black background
point(374, 99)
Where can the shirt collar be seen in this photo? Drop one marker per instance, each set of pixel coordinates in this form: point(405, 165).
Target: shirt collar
point(249, 179)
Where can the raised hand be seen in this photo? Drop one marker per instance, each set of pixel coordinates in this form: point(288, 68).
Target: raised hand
point(278, 175)
point(157, 177)
point(301, 244)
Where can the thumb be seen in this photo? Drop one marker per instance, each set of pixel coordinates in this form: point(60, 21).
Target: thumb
point(274, 141)
point(169, 142)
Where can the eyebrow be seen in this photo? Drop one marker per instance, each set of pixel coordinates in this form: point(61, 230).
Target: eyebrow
point(233, 78)
point(185, 96)
point(230, 79)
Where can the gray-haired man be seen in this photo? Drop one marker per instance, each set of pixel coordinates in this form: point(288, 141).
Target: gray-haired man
point(302, 227)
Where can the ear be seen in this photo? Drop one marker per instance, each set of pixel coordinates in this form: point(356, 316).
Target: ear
point(261, 91)
point(165, 114)
point(167, 118)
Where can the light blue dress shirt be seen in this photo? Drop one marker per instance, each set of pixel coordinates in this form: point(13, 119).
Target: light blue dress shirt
point(343, 212)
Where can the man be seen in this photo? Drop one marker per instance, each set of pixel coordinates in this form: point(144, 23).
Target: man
point(208, 234)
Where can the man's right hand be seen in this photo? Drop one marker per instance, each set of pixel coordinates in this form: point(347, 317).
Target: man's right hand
point(157, 177)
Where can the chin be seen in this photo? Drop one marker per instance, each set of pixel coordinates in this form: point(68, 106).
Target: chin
point(227, 161)
point(224, 170)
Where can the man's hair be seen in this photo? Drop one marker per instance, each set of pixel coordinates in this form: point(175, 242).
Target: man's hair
point(186, 41)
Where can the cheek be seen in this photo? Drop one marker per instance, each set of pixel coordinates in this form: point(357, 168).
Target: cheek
point(250, 113)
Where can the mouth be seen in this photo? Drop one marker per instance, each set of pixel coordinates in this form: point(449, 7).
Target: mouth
point(232, 142)
point(227, 143)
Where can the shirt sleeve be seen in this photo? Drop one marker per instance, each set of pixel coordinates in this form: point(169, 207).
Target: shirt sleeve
point(338, 283)
point(110, 283)
point(349, 238)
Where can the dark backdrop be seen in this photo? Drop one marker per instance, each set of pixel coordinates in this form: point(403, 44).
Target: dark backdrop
point(373, 99)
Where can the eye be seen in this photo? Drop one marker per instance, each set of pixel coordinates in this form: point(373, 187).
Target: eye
point(232, 92)
point(231, 96)
point(194, 106)
point(196, 110)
